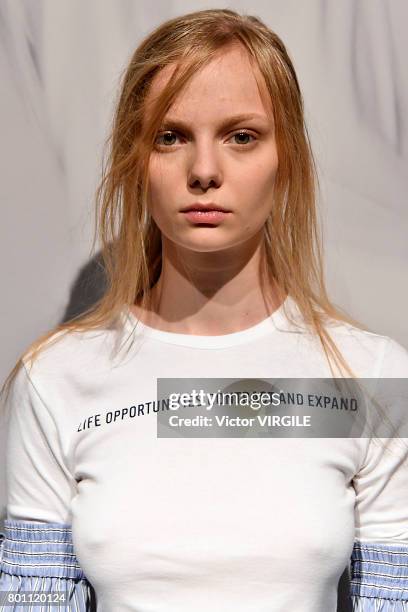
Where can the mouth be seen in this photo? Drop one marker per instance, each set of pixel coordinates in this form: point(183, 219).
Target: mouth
point(209, 216)
point(205, 208)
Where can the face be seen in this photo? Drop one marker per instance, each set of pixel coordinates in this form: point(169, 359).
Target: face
point(204, 153)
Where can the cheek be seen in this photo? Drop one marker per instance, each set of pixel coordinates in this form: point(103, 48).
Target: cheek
point(161, 186)
point(157, 177)
point(256, 184)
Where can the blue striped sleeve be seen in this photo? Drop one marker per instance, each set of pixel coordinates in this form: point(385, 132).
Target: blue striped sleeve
point(379, 577)
point(39, 557)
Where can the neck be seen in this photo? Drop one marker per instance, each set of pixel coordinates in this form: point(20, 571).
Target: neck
point(210, 293)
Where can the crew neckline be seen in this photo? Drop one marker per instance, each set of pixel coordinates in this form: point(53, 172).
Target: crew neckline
point(272, 323)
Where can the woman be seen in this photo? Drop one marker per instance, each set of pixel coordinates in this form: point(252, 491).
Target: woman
point(208, 223)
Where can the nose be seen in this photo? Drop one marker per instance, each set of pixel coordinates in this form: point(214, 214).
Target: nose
point(204, 169)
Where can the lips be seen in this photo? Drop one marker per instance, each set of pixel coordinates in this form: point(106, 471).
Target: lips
point(206, 217)
point(205, 207)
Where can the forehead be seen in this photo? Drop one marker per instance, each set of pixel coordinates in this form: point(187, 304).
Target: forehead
point(225, 86)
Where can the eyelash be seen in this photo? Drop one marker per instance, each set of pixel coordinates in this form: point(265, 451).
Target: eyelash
point(160, 134)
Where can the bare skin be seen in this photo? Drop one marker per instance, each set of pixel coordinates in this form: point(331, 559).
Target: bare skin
point(210, 282)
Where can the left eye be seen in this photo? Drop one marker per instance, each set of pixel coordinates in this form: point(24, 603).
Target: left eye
point(243, 135)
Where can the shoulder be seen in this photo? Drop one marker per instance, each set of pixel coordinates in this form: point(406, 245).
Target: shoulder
point(369, 353)
point(388, 357)
point(69, 351)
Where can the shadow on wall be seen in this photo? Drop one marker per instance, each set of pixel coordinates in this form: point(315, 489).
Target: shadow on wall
point(87, 289)
point(343, 600)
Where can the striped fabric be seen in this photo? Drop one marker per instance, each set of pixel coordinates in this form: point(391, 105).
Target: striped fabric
point(379, 577)
point(40, 557)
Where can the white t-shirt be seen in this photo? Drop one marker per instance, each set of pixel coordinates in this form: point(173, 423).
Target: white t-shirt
point(183, 524)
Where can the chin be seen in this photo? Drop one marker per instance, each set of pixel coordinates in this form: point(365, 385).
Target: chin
point(209, 244)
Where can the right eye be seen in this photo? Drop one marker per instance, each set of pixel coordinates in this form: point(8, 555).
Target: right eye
point(166, 138)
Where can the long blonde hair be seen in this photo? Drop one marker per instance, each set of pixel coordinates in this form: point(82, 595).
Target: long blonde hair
point(131, 241)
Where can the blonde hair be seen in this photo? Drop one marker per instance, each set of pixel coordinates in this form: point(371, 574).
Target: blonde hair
point(131, 241)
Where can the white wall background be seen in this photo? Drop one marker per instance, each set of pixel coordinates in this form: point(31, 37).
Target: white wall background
point(60, 64)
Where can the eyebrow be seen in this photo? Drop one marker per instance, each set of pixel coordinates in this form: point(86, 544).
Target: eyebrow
point(173, 123)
